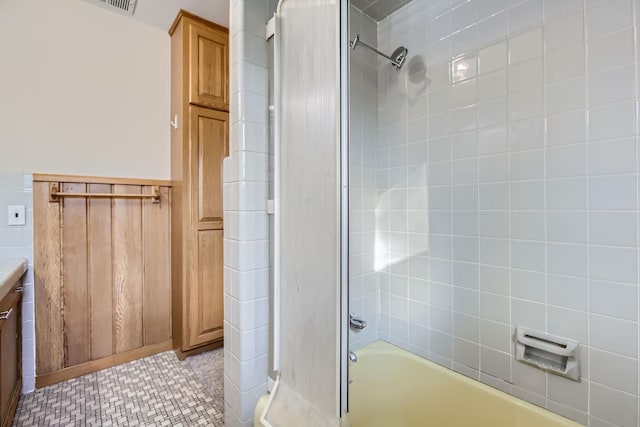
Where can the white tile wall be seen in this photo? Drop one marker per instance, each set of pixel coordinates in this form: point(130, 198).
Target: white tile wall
point(363, 292)
point(507, 192)
point(246, 244)
point(17, 189)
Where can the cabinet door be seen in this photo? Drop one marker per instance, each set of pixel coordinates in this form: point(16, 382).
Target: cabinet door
point(206, 315)
point(208, 68)
point(10, 343)
point(209, 142)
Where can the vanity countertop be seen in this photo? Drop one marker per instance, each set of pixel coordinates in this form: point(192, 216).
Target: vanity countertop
point(11, 270)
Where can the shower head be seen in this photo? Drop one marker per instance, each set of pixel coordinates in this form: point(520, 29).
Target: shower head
point(397, 58)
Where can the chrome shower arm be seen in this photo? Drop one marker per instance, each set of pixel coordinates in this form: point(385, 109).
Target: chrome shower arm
point(356, 41)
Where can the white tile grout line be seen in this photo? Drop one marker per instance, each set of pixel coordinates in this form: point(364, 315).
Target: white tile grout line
point(586, 136)
point(451, 180)
point(634, 11)
point(507, 42)
point(477, 185)
point(544, 166)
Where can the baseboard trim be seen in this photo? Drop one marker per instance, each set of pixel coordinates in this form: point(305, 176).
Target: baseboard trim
point(212, 346)
point(100, 364)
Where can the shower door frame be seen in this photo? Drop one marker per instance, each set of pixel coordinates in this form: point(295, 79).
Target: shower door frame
point(344, 207)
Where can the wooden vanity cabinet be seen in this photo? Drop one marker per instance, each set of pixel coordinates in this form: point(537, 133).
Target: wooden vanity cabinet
point(10, 353)
point(199, 143)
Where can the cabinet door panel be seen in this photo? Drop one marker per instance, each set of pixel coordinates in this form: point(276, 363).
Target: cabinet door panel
point(206, 316)
point(208, 139)
point(208, 65)
point(9, 356)
point(209, 147)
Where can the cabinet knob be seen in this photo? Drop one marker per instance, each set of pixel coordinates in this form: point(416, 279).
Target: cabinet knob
point(18, 290)
point(4, 315)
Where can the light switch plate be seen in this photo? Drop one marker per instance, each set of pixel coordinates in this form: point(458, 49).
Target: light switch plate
point(16, 215)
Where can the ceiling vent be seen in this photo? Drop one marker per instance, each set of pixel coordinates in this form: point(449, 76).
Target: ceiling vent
point(125, 7)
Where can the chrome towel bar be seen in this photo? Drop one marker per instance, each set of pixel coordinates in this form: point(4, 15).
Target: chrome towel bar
point(55, 195)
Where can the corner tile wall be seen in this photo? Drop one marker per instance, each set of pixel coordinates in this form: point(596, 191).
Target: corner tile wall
point(17, 241)
point(246, 244)
point(515, 124)
point(363, 289)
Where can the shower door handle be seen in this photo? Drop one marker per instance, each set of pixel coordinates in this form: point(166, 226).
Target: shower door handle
point(356, 322)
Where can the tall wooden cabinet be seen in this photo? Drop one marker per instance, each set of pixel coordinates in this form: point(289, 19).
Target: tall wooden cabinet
point(199, 143)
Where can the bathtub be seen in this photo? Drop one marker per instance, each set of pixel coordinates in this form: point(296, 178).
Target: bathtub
point(392, 387)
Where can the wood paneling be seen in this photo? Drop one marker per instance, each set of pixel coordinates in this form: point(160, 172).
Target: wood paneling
point(209, 66)
point(74, 276)
point(102, 275)
point(127, 270)
point(47, 264)
point(156, 284)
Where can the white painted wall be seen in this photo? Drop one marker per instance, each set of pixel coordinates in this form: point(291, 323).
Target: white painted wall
point(83, 90)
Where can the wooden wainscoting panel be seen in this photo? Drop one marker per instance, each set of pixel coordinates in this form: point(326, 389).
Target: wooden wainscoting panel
point(102, 277)
point(127, 264)
point(47, 281)
point(100, 272)
point(157, 268)
point(74, 276)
